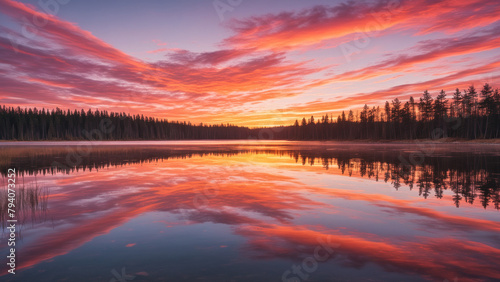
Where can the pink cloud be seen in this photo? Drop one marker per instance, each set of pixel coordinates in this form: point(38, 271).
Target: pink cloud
point(291, 30)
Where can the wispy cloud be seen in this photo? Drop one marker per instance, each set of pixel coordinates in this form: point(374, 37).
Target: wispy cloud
point(64, 66)
point(79, 69)
point(290, 30)
point(428, 51)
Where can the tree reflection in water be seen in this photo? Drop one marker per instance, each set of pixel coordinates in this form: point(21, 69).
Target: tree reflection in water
point(471, 174)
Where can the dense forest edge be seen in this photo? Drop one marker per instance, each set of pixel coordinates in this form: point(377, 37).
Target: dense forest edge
point(469, 114)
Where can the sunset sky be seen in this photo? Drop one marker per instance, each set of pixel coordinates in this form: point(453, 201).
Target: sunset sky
point(245, 62)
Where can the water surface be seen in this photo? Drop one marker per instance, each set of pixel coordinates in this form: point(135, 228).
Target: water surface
point(254, 211)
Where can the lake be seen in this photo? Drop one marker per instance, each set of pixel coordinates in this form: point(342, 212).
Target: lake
point(252, 211)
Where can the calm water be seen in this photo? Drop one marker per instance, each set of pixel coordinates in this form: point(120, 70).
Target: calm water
point(253, 211)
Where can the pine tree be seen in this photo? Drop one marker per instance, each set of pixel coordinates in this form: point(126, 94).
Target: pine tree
point(457, 109)
point(425, 106)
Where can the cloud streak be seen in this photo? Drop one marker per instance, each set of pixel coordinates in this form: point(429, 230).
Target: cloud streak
point(430, 51)
point(81, 70)
point(62, 65)
point(289, 30)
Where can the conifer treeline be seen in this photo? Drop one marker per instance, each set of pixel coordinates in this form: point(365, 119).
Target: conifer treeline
point(33, 124)
point(468, 114)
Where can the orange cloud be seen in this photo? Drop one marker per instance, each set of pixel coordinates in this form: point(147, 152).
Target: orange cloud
point(290, 30)
point(101, 76)
point(433, 50)
point(66, 34)
point(253, 67)
point(460, 79)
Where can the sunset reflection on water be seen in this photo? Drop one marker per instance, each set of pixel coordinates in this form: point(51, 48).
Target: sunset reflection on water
point(252, 213)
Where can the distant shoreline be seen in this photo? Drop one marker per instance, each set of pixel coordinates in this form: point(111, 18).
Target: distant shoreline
point(356, 141)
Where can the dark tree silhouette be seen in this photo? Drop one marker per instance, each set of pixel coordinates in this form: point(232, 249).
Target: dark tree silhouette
point(466, 116)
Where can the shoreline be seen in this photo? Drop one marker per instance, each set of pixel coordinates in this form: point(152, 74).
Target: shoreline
point(319, 142)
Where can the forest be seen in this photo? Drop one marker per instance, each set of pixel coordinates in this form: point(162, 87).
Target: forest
point(467, 114)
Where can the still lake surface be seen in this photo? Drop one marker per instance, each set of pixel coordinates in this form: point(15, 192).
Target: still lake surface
point(253, 211)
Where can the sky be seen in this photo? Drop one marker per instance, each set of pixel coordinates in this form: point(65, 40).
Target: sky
point(250, 63)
